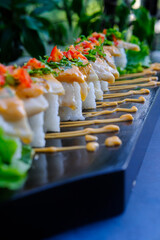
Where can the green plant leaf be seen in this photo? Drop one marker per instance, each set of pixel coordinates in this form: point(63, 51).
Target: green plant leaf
point(143, 26)
point(45, 6)
point(68, 10)
point(6, 4)
point(10, 46)
point(32, 42)
point(32, 22)
point(78, 7)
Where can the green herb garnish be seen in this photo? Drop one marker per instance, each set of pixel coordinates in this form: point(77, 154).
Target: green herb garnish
point(116, 33)
point(107, 42)
point(64, 63)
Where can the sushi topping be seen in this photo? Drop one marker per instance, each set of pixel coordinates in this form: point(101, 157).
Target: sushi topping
point(110, 32)
point(72, 53)
point(3, 69)
point(56, 55)
point(33, 63)
point(2, 80)
point(35, 66)
point(21, 77)
point(94, 41)
point(98, 37)
point(105, 31)
point(115, 40)
point(66, 59)
point(14, 76)
point(90, 50)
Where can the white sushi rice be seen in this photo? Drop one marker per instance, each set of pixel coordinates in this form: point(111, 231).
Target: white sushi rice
point(51, 118)
point(104, 86)
point(97, 87)
point(121, 61)
point(98, 90)
point(37, 124)
point(72, 92)
point(90, 101)
point(68, 99)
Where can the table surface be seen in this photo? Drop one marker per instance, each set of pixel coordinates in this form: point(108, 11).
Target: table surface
point(141, 219)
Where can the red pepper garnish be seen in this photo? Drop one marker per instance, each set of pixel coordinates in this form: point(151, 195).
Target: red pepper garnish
point(3, 69)
point(2, 80)
point(115, 40)
point(94, 41)
point(78, 40)
point(72, 53)
point(56, 55)
point(86, 44)
point(105, 31)
point(33, 63)
point(79, 48)
point(99, 36)
point(23, 77)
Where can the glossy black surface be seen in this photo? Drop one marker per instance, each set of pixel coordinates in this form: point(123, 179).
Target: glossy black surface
point(62, 166)
point(67, 189)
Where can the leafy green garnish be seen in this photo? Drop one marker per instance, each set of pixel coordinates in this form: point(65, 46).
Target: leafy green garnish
point(93, 52)
point(64, 63)
point(40, 71)
point(141, 57)
point(115, 32)
point(6, 156)
point(130, 69)
point(107, 42)
point(13, 168)
point(136, 61)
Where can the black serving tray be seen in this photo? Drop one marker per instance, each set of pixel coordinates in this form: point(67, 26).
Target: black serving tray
point(68, 189)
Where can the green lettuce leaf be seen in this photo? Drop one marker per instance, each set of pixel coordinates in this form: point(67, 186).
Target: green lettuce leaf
point(137, 61)
point(141, 57)
point(13, 171)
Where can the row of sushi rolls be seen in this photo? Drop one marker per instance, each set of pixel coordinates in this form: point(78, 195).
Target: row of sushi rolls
point(35, 97)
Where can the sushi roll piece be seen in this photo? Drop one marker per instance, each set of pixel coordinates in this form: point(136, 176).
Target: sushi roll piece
point(32, 96)
point(95, 55)
point(121, 61)
point(95, 92)
point(73, 81)
point(35, 105)
point(98, 39)
point(93, 78)
point(53, 90)
point(13, 117)
point(102, 70)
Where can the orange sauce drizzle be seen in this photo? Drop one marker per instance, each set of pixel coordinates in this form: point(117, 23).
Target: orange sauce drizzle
point(90, 138)
point(113, 141)
point(136, 80)
point(132, 86)
point(91, 147)
point(131, 92)
point(111, 104)
point(155, 66)
point(145, 72)
point(94, 114)
point(86, 131)
point(122, 118)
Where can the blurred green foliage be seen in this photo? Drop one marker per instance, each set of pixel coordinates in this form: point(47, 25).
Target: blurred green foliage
point(31, 24)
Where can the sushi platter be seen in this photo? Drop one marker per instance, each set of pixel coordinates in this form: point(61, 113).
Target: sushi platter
point(87, 137)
